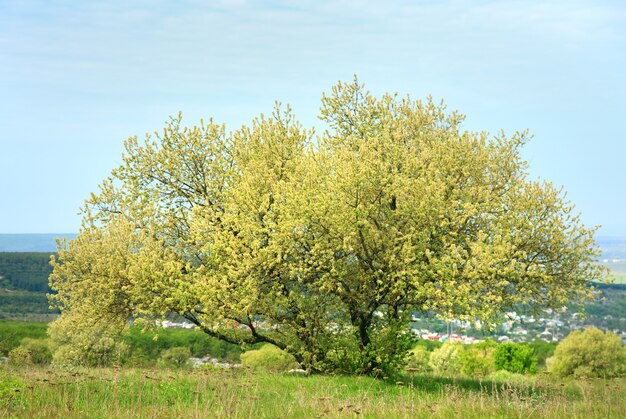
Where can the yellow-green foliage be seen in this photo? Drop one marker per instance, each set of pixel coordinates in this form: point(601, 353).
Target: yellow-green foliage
point(177, 357)
point(590, 353)
point(20, 356)
point(98, 345)
point(268, 358)
point(270, 234)
point(478, 360)
point(446, 360)
point(418, 359)
point(31, 352)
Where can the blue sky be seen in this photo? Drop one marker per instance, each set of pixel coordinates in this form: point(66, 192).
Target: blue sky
point(77, 78)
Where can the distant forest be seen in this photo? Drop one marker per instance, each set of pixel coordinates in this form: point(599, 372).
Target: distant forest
point(25, 271)
point(23, 286)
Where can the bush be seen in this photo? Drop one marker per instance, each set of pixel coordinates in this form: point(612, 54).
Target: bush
point(39, 350)
point(177, 357)
point(150, 343)
point(590, 353)
point(20, 357)
point(138, 359)
point(429, 345)
point(418, 359)
point(446, 360)
point(543, 351)
point(97, 346)
point(515, 357)
point(269, 358)
point(479, 360)
point(31, 351)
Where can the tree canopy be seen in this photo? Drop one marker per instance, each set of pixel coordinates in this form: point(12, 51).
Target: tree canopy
point(323, 245)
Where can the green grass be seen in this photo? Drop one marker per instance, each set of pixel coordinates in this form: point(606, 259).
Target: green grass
point(619, 278)
point(135, 393)
point(617, 271)
point(12, 333)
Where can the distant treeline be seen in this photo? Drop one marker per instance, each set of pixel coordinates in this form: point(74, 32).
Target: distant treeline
point(606, 287)
point(25, 271)
point(24, 283)
point(20, 304)
point(30, 271)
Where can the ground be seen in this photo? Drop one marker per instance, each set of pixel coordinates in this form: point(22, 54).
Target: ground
point(130, 393)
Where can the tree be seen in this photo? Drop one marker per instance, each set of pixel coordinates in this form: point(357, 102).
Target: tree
point(590, 353)
point(324, 245)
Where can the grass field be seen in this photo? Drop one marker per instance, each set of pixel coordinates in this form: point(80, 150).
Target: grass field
point(132, 393)
point(617, 270)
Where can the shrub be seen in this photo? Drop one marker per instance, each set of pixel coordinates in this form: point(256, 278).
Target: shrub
point(151, 343)
point(446, 360)
point(39, 350)
point(418, 359)
point(177, 357)
point(543, 351)
point(20, 357)
point(104, 352)
point(429, 345)
point(31, 351)
point(138, 359)
point(342, 359)
point(479, 360)
point(101, 345)
point(268, 358)
point(590, 353)
point(515, 357)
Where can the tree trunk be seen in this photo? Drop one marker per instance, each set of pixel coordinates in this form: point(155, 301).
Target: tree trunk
point(362, 323)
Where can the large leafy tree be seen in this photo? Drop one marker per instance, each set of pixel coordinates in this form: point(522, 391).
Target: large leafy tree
point(323, 245)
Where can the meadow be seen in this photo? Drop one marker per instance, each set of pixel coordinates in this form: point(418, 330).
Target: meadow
point(132, 393)
point(617, 270)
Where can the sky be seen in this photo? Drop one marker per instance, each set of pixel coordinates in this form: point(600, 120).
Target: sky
point(79, 77)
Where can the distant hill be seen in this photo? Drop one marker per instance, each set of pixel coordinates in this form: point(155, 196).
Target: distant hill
point(23, 286)
point(31, 242)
